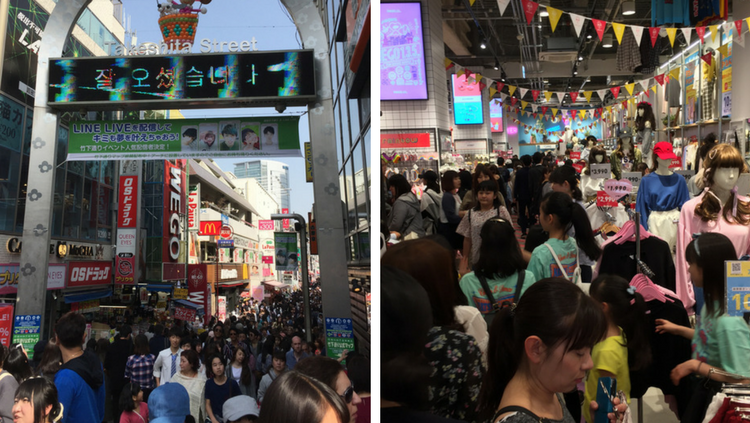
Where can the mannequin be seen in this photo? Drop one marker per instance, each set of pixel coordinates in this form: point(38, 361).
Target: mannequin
point(661, 196)
point(645, 124)
point(576, 144)
point(590, 186)
point(708, 96)
point(566, 138)
point(626, 157)
point(590, 143)
point(714, 211)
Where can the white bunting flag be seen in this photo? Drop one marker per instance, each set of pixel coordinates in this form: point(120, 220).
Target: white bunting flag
point(687, 32)
point(502, 4)
point(560, 97)
point(728, 27)
point(637, 33)
point(523, 92)
point(602, 93)
point(578, 21)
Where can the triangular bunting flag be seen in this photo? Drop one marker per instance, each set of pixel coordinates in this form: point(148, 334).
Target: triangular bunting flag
point(740, 40)
point(511, 89)
point(671, 33)
point(513, 101)
point(479, 77)
point(654, 32)
point(449, 64)
point(588, 95)
point(647, 94)
point(701, 31)
point(554, 112)
point(492, 92)
point(687, 33)
point(727, 28)
point(534, 107)
point(524, 104)
point(615, 91)
point(461, 72)
point(573, 96)
point(724, 50)
point(637, 33)
point(468, 74)
point(471, 2)
point(529, 9)
point(600, 27)
point(503, 4)
point(578, 21)
point(522, 91)
point(714, 30)
point(601, 93)
point(554, 17)
point(654, 89)
point(609, 109)
point(560, 97)
point(500, 85)
point(625, 104)
point(534, 94)
point(630, 87)
point(544, 109)
point(708, 58)
point(471, 80)
point(482, 86)
point(619, 30)
point(659, 79)
point(675, 73)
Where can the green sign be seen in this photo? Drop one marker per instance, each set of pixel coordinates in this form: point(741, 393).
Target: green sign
point(287, 258)
point(185, 138)
point(28, 341)
point(339, 336)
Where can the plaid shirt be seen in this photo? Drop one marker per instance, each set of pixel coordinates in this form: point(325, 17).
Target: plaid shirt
point(140, 369)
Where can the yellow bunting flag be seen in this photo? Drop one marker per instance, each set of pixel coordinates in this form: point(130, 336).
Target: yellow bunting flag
point(461, 72)
point(554, 16)
point(511, 90)
point(654, 88)
point(609, 109)
point(492, 92)
point(448, 63)
point(479, 77)
point(471, 2)
point(548, 94)
point(588, 95)
point(619, 30)
point(524, 104)
point(671, 33)
point(554, 112)
point(675, 73)
point(630, 87)
point(714, 30)
point(724, 50)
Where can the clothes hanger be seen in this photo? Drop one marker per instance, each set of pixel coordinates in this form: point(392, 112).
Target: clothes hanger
point(648, 290)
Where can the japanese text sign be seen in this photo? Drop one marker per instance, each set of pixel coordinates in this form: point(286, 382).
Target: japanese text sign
point(128, 203)
point(6, 323)
point(86, 273)
point(184, 313)
point(738, 287)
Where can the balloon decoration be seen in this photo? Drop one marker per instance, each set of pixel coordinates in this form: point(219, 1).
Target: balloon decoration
point(179, 21)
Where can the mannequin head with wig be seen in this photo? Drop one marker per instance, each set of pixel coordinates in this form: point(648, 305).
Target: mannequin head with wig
point(722, 168)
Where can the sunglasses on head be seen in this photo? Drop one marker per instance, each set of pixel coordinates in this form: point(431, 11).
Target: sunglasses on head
point(348, 394)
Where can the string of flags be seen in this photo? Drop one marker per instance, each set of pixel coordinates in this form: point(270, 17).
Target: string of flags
point(542, 131)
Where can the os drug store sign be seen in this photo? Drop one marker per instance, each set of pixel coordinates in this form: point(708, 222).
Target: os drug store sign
point(185, 138)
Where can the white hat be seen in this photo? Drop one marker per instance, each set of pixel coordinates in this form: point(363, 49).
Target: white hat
point(237, 407)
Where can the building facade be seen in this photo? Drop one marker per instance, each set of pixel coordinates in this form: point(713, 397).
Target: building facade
point(273, 176)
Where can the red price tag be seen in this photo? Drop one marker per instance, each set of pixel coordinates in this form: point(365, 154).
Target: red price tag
point(604, 200)
point(575, 155)
point(578, 167)
point(676, 163)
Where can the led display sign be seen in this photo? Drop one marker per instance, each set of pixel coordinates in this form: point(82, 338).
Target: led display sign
point(402, 67)
point(496, 115)
point(190, 81)
point(467, 101)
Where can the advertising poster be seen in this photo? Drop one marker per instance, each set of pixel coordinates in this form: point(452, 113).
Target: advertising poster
point(6, 323)
point(286, 258)
point(691, 89)
point(496, 115)
point(9, 274)
point(467, 101)
point(402, 65)
point(222, 306)
point(184, 313)
point(26, 332)
point(11, 124)
point(185, 138)
point(726, 82)
point(339, 336)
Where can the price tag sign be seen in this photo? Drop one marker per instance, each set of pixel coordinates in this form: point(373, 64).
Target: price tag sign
point(604, 200)
point(676, 163)
point(575, 155)
point(578, 167)
point(738, 287)
point(601, 171)
point(618, 189)
point(687, 174)
point(633, 177)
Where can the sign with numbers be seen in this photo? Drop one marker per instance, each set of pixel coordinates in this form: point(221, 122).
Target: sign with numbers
point(601, 171)
point(575, 155)
point(687, 174)
point(633, 177)
point(6, 323)
point(604, 200)
point(676, 163)
point(738, 287)
point(578, 167)
point(618, 189)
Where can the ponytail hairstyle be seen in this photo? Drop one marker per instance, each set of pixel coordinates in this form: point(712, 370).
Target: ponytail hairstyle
point(556, 311)
point(723, 156)
point(41, 393)
point(627, 309)
point(709, 251)
point(567, 174)
point(570, 213)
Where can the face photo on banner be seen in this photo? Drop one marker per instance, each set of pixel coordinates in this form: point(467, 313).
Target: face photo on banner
point(190, 138)
point(250, 136)
point(208, 137)
point(270, 136)
point(229, 136)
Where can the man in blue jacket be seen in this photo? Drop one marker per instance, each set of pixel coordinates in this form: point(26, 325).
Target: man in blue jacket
point(80, 381)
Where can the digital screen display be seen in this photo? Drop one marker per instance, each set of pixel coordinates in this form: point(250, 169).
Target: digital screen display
point(195, 80)
point(467, 102)
point(496, 115)
point(402, 68)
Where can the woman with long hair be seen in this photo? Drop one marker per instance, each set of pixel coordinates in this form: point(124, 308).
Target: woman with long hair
point(295, 397)
point(488, 206)
point(17, 363)
point(8, 385)
point(134, 407)
point(36, 401)
point(481, 173)
point(405, 219)
point(219, 387)
point(239, 371)
point(450, 205)
point(330, 372)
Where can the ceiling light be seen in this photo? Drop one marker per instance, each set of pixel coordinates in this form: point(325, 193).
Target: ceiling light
point(588, 37)
point(628, 8)
point(575, 71)
point(540, 27)
point(497, 65)
point(483, 45)
point(544, 13)
point(580, 58)
point(607, 42)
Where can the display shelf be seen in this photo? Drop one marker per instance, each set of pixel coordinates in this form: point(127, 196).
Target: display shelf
point(697, 124)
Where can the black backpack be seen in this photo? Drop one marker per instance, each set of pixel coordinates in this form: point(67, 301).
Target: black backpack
point(490, 315)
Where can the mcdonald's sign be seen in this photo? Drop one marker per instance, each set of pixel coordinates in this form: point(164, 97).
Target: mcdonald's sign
point(210, 227)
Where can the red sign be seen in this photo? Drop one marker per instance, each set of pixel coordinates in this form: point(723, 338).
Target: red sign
point(125, 270)
point(268, 259)
point(604, 200)
point(197, 283)
point(313, 234)
point(128, 200)
point(266, 225)
point(676, 163)
point(6, 323)
point(182, 313)
point(172, 271)
point(575, 155)
point(89, 273)
point(226, 232)
point(210, 227)
point(174, 207)
point(285, 222)
point(578, 167)
point(391, 141)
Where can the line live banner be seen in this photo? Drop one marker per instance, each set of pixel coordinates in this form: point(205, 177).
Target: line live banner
point(185, 138)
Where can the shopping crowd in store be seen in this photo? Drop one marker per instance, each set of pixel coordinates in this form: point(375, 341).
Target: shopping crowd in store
point(510, 294)
point(255, 365)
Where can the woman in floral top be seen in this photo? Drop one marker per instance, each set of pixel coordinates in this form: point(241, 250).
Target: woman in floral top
point(488, 206)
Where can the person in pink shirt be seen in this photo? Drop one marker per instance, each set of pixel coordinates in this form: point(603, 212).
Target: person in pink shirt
point(131, 402)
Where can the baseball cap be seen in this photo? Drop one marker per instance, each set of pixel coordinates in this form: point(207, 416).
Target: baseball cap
point(626, 133)
point(237, 407)
point(169, 403)
point(664, 150)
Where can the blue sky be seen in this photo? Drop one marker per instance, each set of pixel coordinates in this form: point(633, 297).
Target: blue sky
point(239, 20)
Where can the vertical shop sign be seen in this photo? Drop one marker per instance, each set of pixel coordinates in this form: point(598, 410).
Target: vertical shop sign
point(198, 288)
point(726, 82)
point(308, 162)
point(128, 201)
point(174, 206)
point(313, 235)
point(6, 323)
point(126, 230)
point(26, 332)
point(285, 222)
point(194, 207)
point(222, 307)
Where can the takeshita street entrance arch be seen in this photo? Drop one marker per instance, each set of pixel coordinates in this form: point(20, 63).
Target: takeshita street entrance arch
point(38, 217)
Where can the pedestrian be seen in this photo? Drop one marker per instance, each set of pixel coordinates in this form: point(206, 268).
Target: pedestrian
point(36, 401)
point(80, 380)
point(158, 342)
point(134, 409)
point(358, 370)
point(431, 203)
point(194, 382)
point(168, 361)
point(488, 206)
point(219, 388)
point(481, 174)
point(8, 386)
point(266, 356)
point(239, 371)
point(405, 219)
point(330, 372)
point(169, 403)
point(17, 363)
point(297, 397)
point(279, 367)
point(240, 409)
point(451, 204)
point(233, 344)
point(522, 194)
point(114, 366)
point(140, 366)
point(50, 360)
point(295, 354)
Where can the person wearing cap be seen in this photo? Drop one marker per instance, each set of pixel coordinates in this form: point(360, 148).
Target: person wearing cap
point(627, 156)
point(240, 409)
point(169, 403)
point(661, 195)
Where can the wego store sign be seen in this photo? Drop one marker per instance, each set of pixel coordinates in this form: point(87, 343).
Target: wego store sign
point(174, 179)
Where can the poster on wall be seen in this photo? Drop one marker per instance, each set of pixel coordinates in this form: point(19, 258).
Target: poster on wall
point(496, 115)
point(691, 89)
point(185, 138)
point(467, 101)
point(726, 82)
point(286, 251)
point(402, 64)
point(6, 323)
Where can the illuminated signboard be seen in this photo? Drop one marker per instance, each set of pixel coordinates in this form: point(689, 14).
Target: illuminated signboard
point(496, 115)
point(192, 81)
point(402, 67)
point(467, 102)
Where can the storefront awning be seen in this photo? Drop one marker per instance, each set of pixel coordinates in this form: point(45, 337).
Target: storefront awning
point(186, 303)
point(159, 287)
point(87, 296)
point(232, 284)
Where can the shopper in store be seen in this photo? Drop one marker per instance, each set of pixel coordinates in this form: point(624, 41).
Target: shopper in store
point(219, 388)
point(80, 380)
point(522, 195)
point(538, 349)
point(140, 366)
point(278, 367)
point(431, 203)
point(506, 279)
point(134, 408)
point(36, 401)
point(194, 382)
point(8, 386)
point(405, 220)
point(481, 173)
point(558, 257)
point(720, 343)
point(167, 363)
point(453, 345)
point(330, 372)
point(239, 371)
point(536, 179)
point(626, 345)
point(297, 397)
point(501, 184)
point(466, 183)
point(451, 203)
point(488, 206)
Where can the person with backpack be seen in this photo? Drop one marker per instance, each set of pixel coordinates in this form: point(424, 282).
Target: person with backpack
point(488, 206)
point(405, 219)
point(495, 283)
point(431, 203)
